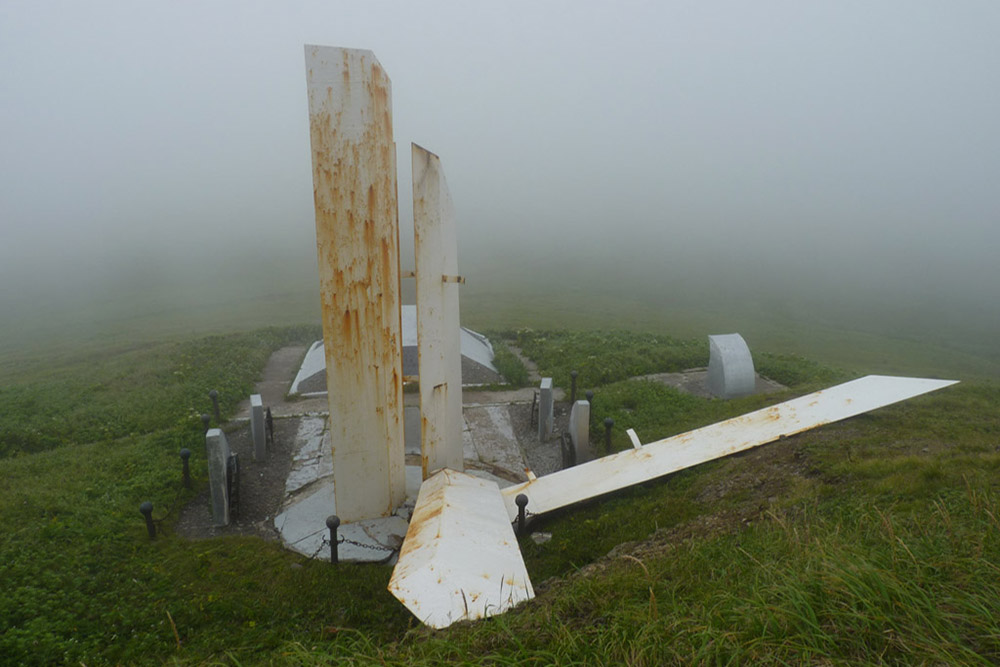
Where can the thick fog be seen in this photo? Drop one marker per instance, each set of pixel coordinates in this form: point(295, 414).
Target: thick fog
point(839, 156)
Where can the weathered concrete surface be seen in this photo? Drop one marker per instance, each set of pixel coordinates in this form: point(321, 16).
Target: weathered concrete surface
point(460, 560)
point(579, 431)
point(545, 407)
point(357, 240)
point(678, 452)
point(730, 366)
point(217, 452)
point(438, 327)
point(492, 439)
point(257, 431)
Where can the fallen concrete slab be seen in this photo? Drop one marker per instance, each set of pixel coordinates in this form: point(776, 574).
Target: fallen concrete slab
point(460, 560)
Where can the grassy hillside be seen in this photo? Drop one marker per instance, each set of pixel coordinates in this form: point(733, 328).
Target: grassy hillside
point(873, 539)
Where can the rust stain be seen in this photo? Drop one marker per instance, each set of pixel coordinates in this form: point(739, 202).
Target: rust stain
point(354, 192)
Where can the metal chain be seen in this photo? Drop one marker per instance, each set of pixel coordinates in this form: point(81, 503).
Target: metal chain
point(373, 547)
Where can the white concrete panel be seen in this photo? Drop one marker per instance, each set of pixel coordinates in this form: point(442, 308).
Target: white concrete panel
point(460, 559)
point(438, 328)
point(357, 240)
point(678, 452)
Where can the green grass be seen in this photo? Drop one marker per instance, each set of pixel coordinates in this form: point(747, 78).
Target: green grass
point(875, 539)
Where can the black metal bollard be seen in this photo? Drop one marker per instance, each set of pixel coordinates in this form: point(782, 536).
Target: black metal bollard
point(214, 395)
point(333, 522)
point(206, 421)
point(590, 399)
point(147, 511)
point(185, 469)
point(522, 501)
point(572, 387)
point(608, 424)
point(269, 426)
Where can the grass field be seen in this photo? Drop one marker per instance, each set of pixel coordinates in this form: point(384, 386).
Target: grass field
point(872, 540)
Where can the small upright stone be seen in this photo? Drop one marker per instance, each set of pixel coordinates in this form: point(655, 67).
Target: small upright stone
point(545, 408)
point(579, 431)
point(730, 367)
point(257, 428)
point(217, 450)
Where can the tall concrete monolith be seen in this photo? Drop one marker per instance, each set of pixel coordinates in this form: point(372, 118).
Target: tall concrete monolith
point(357, 241)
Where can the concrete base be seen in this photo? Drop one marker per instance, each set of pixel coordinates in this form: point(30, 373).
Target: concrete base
point(309, 489)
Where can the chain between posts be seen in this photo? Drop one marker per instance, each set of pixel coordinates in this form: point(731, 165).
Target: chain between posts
point(326, 542)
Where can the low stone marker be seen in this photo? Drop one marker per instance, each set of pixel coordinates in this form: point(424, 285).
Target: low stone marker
point(545, 406)
point(257, 428)
point(730, 367)
point(217, 449)
point(579, 431)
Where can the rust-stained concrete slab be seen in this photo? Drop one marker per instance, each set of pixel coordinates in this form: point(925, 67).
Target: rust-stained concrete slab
point(357, 240)
point(438, 327)
point(668, 455)
point(460, 560)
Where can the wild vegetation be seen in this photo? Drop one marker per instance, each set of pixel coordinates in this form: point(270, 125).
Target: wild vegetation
point(872, 540)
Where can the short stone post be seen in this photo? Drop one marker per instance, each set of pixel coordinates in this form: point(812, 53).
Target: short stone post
point(185, 468)
point(608, 424)
point(579, 431)
point(217, 449)
point(147, 511)
point(257, 428)
point(214, 395)
point(545, 408)
point(333, 522)
point(522, 501)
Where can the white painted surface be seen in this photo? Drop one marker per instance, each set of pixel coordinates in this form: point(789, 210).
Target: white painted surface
point(438, 329)
point(460, 559)
point(357, 241)
point(310, 498)
point(633, 437)
point(668, 455)
point(314, 362)
point(477, 347)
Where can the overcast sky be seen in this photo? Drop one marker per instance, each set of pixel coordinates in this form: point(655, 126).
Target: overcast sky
point(842, 134)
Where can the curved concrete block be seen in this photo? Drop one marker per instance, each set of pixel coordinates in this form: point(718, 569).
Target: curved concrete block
point(730, 366)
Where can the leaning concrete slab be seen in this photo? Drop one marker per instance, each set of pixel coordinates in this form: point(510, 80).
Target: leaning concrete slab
point(668, 455)
point(460, 560)
point(357, 239)
point(438, 328)
point(730, 367)
point(217, 452)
